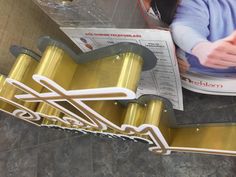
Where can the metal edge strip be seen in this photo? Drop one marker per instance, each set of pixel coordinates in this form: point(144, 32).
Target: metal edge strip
point(149, 58)
point(17, 50)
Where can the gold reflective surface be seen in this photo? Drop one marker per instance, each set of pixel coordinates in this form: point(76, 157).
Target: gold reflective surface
point(116, 71)
point(58, 92)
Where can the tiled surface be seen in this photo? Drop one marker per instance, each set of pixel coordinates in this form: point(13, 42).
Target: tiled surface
point(19, 163)
point(70, 155)
point(11, 139)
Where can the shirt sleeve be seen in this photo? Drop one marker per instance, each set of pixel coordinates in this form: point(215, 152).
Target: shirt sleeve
point(190, 24)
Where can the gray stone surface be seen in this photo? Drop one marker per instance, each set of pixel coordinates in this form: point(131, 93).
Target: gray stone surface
point(64, 158)
point(200, 108)
point(19, 163)
point(11, 138)
point(66, 154)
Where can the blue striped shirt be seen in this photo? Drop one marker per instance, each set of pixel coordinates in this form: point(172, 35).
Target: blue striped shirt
point(201, 20)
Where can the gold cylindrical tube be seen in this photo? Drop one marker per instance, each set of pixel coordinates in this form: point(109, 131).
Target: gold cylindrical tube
point(57, 65)
point(154, 112)
point(21, 71)
point(122, 70)
point(47, 122)
point(135, 114)
point(23, 68)
point(2, 81)
point(131, 71)
point(48, 110)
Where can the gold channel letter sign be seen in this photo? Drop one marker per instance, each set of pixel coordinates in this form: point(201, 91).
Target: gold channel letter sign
point(96, 93)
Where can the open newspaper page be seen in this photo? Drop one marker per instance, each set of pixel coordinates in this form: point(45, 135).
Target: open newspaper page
point(163, 80)
point(206, 81)
point(207, 46)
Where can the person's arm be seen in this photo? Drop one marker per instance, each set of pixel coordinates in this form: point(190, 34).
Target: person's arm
point(190, 31)
point(190, 25)
point(220, 54)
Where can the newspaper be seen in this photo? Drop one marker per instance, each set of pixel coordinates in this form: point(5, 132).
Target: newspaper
point(163, 80)
point(209, 84)
point(139, 18)
point(206, 53)
point(206, 81)
point(216, 78)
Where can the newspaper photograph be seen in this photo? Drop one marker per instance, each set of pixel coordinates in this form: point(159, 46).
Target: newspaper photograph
point(206, 45)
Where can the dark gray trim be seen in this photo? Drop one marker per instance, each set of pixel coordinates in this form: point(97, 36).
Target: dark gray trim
point(149, 58)
point(17, 50)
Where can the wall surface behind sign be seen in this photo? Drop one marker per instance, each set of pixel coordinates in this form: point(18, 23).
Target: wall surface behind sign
point(22, 23)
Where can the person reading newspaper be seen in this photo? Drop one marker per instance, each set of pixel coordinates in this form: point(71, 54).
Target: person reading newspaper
point(205, 32)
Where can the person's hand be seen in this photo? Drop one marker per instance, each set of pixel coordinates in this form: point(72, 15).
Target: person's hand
point(183, 65)
point(220, 54)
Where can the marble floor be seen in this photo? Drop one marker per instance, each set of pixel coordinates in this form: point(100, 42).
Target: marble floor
point(200, 109)
point(28, 151)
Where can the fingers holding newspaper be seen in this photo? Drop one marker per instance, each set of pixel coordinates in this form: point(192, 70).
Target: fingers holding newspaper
point(220, 54)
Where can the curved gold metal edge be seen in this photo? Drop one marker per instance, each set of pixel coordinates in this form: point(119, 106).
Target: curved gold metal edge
point(166, 149)
point(153, 131)
point(203, 151)
point(102, 123)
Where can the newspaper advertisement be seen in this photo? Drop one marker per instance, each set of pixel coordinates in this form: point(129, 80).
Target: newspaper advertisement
point(206, 46)
point(206, 51)
point(163, 80)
